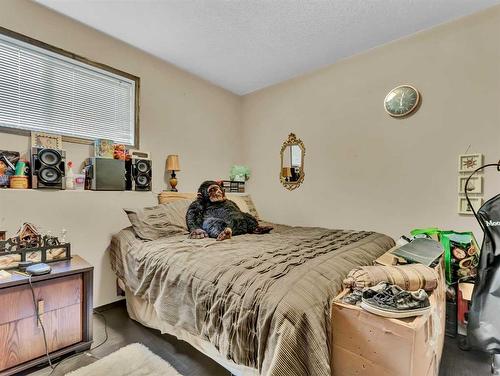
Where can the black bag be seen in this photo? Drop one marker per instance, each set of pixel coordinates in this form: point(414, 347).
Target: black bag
point(483, 328)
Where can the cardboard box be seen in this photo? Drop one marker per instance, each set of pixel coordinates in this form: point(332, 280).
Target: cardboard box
point(371, 345)
point(388, 259)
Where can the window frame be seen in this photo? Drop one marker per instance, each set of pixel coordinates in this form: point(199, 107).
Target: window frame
point(82, 60)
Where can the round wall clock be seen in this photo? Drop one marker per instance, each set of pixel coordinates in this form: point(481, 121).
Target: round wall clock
point(402, 101)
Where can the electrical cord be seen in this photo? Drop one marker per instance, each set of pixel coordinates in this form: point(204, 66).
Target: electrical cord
point(41, 323)
point(39, 319)
point(87, 353)
point(105, 330)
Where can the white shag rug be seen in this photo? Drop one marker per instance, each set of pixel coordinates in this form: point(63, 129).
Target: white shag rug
point(131, 360)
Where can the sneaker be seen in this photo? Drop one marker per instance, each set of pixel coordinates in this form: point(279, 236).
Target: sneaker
point(353, 298)
point(394, 302)
point(370, 292)
point(356, 295)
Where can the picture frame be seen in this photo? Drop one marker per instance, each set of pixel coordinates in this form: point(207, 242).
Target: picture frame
point(463, 205)
point(104, 148)
point(48, 254)
point(475, 184)
point(34, 256)
point(54, 254)
point(469, 162)
point(46, 140)
point(9, 260)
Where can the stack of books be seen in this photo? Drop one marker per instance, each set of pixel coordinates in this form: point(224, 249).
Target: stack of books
point(233, 186)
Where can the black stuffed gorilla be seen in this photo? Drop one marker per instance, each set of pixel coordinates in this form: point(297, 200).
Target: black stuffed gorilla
point(212, 215)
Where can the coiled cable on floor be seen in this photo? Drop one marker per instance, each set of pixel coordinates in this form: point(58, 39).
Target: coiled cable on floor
point(87, 353)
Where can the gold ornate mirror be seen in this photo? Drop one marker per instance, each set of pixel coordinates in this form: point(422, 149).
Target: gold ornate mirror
point(292, 162)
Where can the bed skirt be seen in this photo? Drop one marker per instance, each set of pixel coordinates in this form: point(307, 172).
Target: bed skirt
point(144, 313)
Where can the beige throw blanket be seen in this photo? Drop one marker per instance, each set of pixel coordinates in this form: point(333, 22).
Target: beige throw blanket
point(262, 300)
point(408, 277)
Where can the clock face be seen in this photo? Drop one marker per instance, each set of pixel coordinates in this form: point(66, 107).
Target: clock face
point(401, 100)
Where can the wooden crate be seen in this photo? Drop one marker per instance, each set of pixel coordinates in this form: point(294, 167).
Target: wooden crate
point(371, 345)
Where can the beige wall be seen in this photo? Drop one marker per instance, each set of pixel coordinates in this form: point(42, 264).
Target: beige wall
point(365, 170)
point(180, 114)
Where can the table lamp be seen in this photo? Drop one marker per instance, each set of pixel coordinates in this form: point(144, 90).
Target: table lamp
point(173, 165)
point(286, 172)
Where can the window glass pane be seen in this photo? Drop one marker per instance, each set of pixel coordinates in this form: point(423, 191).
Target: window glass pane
point(43, 91)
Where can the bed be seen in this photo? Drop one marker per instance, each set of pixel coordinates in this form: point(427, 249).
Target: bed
point(256, 304)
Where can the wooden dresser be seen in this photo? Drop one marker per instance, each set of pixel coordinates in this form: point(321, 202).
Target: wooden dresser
point(64, 299)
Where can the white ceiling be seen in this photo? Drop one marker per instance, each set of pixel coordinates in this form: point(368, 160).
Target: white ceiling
point(246, 45)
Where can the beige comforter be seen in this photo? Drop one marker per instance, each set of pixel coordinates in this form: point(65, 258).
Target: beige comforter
point(262, 300)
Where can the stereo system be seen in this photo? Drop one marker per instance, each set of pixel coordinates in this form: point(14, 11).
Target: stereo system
point(101, 174)
point(139, 174)
point(48, 168)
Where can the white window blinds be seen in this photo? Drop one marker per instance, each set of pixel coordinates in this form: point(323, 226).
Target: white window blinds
point(47, 92)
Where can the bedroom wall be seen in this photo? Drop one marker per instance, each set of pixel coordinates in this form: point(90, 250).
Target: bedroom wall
point(180, 114)
point(364, 169)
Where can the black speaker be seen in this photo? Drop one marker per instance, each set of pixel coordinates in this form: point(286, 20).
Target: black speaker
point(48, 168)
point(139, 174)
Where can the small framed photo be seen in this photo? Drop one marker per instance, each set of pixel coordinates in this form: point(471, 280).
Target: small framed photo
point(46, 140)
point(34, 256)
point(463, 205)
point(475, 184)
point(469, 162)
point(103, 148)
point(55, 254)
point(10, 261)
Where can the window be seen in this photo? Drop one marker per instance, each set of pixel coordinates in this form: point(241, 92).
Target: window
point(45, 89)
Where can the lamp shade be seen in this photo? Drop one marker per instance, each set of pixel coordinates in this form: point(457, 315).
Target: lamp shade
point(286, 172)
point(173, 163)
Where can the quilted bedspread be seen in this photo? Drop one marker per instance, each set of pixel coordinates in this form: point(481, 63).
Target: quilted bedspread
point(262, 300)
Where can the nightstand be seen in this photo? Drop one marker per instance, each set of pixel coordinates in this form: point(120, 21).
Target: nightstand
point(64, 299)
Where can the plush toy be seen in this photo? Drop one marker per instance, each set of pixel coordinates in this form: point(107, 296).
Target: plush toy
point(239, 173)
point(119, 152)
point(213, 215)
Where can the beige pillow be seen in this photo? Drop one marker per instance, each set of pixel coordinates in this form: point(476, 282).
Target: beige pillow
point(151, 223)
point(245, 203)
point(168, 219)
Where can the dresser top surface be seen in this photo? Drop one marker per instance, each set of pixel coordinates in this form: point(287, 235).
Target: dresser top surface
point(59, 269)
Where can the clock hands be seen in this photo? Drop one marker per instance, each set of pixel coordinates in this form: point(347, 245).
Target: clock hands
point(401, 101)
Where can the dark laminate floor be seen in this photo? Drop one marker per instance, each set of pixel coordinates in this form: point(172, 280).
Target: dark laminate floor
point(189, 362)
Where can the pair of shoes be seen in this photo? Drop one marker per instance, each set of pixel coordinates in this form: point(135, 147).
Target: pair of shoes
point(394, 302)
point(356, 295)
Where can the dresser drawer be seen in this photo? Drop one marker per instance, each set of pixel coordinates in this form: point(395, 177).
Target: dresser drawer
point(64, 301)
point(22, 340)
point(17, 302)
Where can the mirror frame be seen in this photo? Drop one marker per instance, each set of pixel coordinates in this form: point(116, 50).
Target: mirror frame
point(293, 140)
